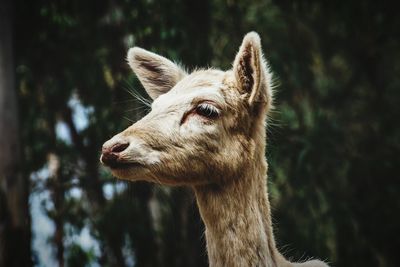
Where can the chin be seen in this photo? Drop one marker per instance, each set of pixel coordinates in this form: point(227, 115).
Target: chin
point(131, 173)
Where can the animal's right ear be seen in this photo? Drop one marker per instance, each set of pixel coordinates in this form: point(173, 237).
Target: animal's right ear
point(156, 73)
point(251, 71)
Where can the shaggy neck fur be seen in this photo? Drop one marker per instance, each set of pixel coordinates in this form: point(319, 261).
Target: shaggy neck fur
point(238, 219)
point(238, 224)
point(237, 215)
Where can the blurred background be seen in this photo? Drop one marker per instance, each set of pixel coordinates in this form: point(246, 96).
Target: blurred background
point(333, 140)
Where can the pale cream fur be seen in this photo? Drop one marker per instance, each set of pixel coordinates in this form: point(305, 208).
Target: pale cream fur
point(221, 158)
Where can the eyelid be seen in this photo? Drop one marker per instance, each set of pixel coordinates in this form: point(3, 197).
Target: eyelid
point(210, 106)
point(209, 103)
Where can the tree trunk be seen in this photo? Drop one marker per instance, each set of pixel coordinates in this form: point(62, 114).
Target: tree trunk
point(56, 187)
point(14, 212)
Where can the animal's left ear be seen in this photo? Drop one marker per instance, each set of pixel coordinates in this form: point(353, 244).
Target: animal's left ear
point(251, 71)
point(156, 73)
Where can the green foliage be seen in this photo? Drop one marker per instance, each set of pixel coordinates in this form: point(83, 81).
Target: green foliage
point(333, 143)
point(77, 257)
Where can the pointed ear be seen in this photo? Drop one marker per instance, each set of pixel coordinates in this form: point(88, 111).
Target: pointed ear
point(156, 73)
point(251, 71)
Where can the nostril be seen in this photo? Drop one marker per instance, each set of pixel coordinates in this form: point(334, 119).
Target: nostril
point(108, 158)
point(119, 147)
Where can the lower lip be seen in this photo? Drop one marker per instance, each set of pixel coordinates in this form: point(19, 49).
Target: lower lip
point(122, 166)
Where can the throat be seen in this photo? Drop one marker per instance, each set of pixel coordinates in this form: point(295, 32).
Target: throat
point(238, 222)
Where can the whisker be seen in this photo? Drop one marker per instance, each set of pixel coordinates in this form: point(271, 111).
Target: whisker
point(138, 108)
point(139, 98)
point(124, 101)
point(130, 120)
point(136, 95)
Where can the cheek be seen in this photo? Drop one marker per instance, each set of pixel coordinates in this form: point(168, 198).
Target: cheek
point(195, 142)
point(196, 126)
point(201, 141)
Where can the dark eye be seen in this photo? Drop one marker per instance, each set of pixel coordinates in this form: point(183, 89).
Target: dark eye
point(207, 110)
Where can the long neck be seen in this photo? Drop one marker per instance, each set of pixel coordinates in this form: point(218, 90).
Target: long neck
point(237, 220)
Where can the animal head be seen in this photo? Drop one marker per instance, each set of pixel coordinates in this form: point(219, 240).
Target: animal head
point(203, 127)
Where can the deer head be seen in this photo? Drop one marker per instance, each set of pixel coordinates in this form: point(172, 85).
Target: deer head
point(204, 127)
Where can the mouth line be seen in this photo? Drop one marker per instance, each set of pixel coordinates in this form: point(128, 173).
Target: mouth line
point(124, 165)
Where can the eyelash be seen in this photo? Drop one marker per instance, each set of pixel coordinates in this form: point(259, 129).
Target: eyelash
point(207, 110)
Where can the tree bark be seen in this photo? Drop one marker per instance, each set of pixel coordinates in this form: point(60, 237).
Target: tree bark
point(14, 212)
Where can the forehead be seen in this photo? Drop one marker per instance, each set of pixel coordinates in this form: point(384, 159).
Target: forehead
point(199, 84)
point(200, 79)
